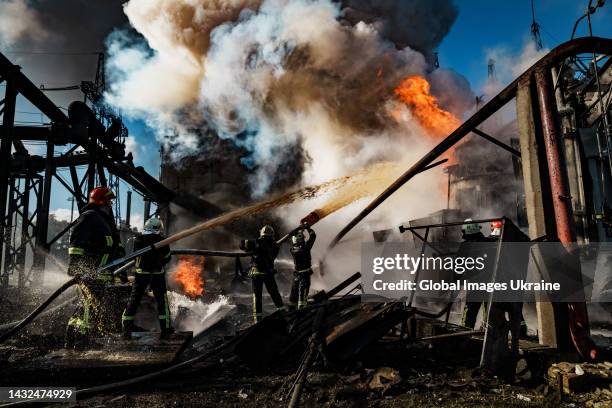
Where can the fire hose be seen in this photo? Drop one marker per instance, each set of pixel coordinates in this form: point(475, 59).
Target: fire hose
point(138, 380)
point(7, 326)
point(186, 233)
point(15, 329)
point(38, 310)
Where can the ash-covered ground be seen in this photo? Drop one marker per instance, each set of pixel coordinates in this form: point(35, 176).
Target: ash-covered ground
point(390, 372)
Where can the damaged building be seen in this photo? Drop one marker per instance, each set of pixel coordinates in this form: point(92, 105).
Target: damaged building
point(541, 180)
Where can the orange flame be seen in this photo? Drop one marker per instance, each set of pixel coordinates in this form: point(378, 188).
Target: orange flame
point(188, 274)
point(414, 92)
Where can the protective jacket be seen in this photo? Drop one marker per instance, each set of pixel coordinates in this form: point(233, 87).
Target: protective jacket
point(301, 253)
point(265, 250)
point(149, 273)
point(94, 241)
point(153, 261)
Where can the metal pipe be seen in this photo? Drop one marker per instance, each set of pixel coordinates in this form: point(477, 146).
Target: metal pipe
point(403, 229)
point(578, 315)
point(591, 44)
point(560, 196)
point(207, 252)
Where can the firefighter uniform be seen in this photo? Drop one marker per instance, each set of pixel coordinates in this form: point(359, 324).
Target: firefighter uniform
point(261, 271)
point(471, 234)
point(150, 272)
point(471, 309)
point(302, 260)
point(94, 241)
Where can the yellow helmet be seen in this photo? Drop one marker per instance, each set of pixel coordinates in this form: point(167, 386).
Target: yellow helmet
point(267, 231)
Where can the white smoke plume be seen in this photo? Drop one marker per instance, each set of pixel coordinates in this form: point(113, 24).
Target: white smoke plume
point(509, 65)
point(272, 75)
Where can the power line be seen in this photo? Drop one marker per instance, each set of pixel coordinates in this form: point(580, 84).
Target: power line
point(50, 53)
point(554, 38)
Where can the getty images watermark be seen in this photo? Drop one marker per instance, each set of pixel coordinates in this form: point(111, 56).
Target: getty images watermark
point(506, 271)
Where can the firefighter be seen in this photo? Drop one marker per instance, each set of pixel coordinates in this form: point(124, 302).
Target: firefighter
point(496, 227)
point(265, 250)
point(150, 272)
point(300, 250)
point(471, 233)
point(94, 241)
point(496, 230)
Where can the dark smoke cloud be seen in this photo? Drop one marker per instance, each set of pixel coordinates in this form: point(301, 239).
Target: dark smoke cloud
point(62, 26)
point(418, 24)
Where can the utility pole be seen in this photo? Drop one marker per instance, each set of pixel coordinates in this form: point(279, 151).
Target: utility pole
point(535, 29)
point(491, 70)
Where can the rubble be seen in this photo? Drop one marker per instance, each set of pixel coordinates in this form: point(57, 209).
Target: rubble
point(383, 379)
point(573, 378)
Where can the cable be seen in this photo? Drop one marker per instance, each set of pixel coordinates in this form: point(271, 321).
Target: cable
point(7, 326)
point(38, 310)
point(155, 374)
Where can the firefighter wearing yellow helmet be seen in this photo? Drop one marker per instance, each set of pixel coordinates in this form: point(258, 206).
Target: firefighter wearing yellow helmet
point(264, 251)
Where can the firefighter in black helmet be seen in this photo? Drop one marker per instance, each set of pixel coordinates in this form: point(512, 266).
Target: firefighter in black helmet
point(150, 272)
point(94, 241)
point(302, 260)
point(265, 250)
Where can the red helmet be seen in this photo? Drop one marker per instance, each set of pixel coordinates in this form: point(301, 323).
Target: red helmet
point(496, 224)
point(101, 196)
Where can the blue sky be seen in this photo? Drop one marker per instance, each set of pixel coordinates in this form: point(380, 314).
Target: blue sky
point(485, 25)
point(481, 26)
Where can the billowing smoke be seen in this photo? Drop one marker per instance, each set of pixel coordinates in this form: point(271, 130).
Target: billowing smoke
point(57, 41)
point(297, 84)
point(419, 24)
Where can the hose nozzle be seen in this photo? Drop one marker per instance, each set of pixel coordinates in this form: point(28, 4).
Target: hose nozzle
point(310, 219)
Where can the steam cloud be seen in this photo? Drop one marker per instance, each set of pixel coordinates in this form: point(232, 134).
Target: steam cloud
point(303, 87)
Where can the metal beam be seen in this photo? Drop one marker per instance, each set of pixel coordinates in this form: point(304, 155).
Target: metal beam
point(42, 220)
point(496, 142)
point(21, 256)
point(76, 187)
point(38, 133)
point(580, 45)
point(30, 91)
point(6, 145)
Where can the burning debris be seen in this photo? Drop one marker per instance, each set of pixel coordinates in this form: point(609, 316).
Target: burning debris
point(188, 274)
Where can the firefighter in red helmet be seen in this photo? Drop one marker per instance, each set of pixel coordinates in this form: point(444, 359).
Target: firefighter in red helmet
point(94, 242)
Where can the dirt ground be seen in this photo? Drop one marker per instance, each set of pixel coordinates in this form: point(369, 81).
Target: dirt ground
point(215, 389)
point(409, 375)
